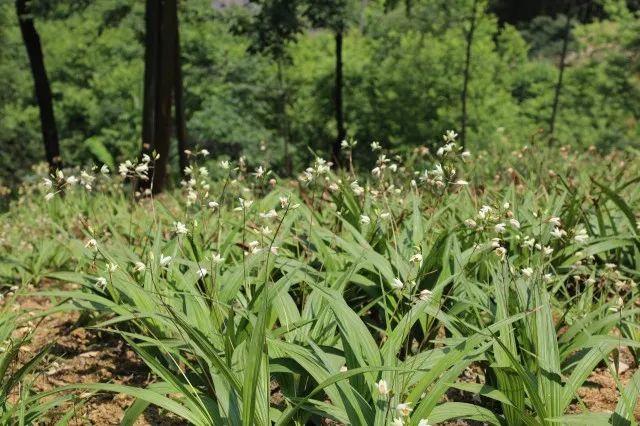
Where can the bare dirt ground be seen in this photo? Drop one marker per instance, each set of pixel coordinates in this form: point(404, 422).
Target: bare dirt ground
point(82, 355)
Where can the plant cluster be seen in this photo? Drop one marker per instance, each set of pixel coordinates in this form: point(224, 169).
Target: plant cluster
point(365, 298)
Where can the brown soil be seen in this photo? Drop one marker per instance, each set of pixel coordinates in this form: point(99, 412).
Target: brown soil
point(600, 393)
point(82, 355)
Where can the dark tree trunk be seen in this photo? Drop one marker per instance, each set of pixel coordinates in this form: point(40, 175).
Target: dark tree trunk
point(181, 126)
point(41, 84)
point(285, 127)
point(160, 68)
point(342, 133)
point(152, 41)
point(558, 89)
point(467, 70)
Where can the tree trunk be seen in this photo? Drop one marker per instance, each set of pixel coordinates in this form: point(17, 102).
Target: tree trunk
point(41, 84)
point(558, 89)
point(152, 41)
point(467, 70)
point(342, 133)
point(160, 68)
point(181, 126)
point(285, 127)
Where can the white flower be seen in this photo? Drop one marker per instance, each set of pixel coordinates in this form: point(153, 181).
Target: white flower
point(547, 278)
point(424, 422)
point(397, 422)
point(357, 189)
point(244, 204)
point(558, 233)
point(164, 260)
point(515, 223)
point(180, 228)
point(204, 152)
point(500, 228)
point(225, 164)
point(49, 196)
point(554, 220)
point(254, 247)
point(47, 183)
point(269, 215)
point(101, 282)
point(202, 272)
point(375, 146)
point(581, 236)
point(416, 258)
point(501, 252)
point(425, 295)
point(213, 205)
point(450, 136)
point(383, 388)
point(547, 250)
point(104, 169)
point(259, 172)
point(470, 223)
point(527, 272)
point(111, 267)
point(344, 369)
point(91, 244)
point(484, 210)
point(397, 283)
point(216, 258)
point(528, 242)
point(364, 219)
point(142, 169)
point(403, 409)
point(461, 182)
point(139, 267)
point(265, 230)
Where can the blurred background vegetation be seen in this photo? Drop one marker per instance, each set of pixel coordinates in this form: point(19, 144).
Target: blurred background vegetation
point(247, 90)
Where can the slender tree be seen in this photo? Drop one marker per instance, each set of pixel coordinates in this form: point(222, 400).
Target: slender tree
point(558, 88)
point(151, 44)
point(41, 83)
point(160, 70)
point(181, 125)
point(333, 15)
point(337, 98)
point(467, 71)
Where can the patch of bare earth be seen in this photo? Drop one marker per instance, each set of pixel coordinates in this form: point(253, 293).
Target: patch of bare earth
point(82, 355)
point(600, 393)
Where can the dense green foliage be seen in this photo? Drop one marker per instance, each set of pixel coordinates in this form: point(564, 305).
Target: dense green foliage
point(367, 298)
point(402, 72)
